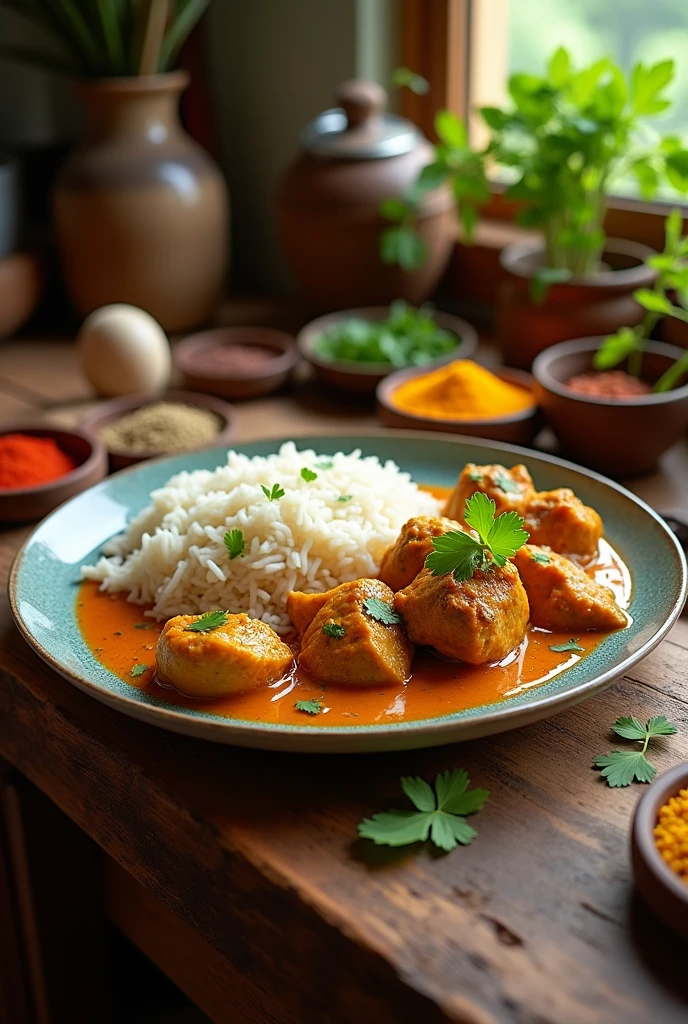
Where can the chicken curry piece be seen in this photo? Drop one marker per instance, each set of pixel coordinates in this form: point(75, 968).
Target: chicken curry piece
point(510, 489)
point(561, 594)
point(478, 620)
point(240, 655)
point(403, 561)
point(302, 608)
point(346, 644)
point(560, 521)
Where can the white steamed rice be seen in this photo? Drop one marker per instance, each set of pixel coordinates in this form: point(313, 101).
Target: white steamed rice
point(173, 557)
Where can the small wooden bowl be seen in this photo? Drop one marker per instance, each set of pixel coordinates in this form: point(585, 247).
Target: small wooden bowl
point(114, 410)
point(237, 384)
point(363, 378)
point(517, 428)
point(664, 892)
point(31, 503)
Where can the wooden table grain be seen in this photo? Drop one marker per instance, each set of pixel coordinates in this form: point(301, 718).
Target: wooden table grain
point(240, 874)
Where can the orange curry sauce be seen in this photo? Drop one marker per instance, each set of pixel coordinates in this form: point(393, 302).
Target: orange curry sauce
point(121, 637)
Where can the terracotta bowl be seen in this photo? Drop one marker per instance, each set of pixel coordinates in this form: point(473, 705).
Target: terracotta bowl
point(518, 428)
point(237, 384)
point(35, 502)
point(617, 438)
point(114, 410)
point(363, 378)
point(664, 892)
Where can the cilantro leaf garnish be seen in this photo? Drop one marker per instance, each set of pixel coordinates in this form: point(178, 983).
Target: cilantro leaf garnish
point(138, 670)
point(324, 464)
point(475, 476)
point(308, 474)
point(311, 707)
point(333, 629)
point(273, 493)
point(461, 554)
point(381, 611)
point(570, 645)
point(622, 767)
point(344, 497)
point(234, 542)
point(144, 625)
point(440, 813)
point(207, 622)
point(540, 557)
point(506, 484)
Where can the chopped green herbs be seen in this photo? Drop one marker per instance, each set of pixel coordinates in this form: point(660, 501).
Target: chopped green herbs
point(506, 484)
point(344, 497)
point(334, 630)
point(622, 767)
point(440, 813)
point(310, 707)
point(324, 464)
point(234, 542)
point(406, 337)
point(144, 625)
point(273, 493)
point(207, 622)
point(381, 611)
point(570, 645)
point(475, 476)
point(138, 670)
point(461, 554)
point(308, 475)
point(540, 557)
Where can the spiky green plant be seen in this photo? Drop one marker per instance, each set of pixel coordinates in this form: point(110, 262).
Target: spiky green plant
point(106, 38)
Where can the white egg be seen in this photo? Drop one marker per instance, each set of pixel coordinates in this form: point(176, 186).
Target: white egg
point(124, 350)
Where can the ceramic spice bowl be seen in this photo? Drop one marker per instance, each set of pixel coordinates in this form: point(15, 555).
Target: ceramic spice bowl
point(29, 503)
point(236, 362)
point(516, 428)
point(363, 378)
point(115, 410)
point(662, 889)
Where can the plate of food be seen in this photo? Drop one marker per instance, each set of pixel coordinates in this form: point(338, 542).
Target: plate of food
point(348, 593)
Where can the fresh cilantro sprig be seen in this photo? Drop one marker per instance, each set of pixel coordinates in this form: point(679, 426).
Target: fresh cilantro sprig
point(207, 622)
point(308, 475)
point(137, 670)
point(235, 543)
point(310, 707)
point(622, 767)
point(381, 611)
point(461, 554)
point(273, 493)
point(440, 813)
point(334, 629)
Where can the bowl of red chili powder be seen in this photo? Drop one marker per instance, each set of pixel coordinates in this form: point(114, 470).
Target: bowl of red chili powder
point(40, 467)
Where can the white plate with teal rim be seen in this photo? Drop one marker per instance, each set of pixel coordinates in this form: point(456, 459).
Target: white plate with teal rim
point(43, 593)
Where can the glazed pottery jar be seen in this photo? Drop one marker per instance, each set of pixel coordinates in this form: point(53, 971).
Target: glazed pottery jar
point(141, 210)
point(353, 157)
point(579, 308)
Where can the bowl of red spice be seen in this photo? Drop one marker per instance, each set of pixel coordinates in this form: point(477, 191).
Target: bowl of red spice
point(611, 421)
point(659, 848)
point(42, 466)
point(236, 362)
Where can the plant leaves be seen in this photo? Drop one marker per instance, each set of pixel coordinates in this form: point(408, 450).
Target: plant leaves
point(396, 828)
point(309, 707)
point(450, 786)
point(381, 611)
point(451, 129)
point(622, 767)
point(235, 543)
point(308, 475)
point(334, 630)
point(506, 536)
point(457, 553)
point(419, 792)
point(659, 726)
point(615, 348)
point(411, 80)
point(207, 622)
point(566, 648)
point(656, 302)
point(647, 86)
point(138, 670)
point(480, 514)
point(629, 728)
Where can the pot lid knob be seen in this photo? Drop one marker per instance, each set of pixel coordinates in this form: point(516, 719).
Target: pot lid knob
point(361, 101)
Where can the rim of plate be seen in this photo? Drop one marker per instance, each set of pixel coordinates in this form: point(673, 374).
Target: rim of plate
point(501, 715)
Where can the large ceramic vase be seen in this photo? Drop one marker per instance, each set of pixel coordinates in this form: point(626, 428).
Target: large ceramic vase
point(580, 308)
point(141, 211)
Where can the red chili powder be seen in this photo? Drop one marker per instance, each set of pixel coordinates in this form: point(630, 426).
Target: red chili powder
point(27, 461)
point(241, 360)
point(609, 384)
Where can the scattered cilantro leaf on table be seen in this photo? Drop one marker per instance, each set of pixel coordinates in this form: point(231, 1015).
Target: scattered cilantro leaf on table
point(570, 645)
point(381, 611)
point(207, 622)
point(622, 767)
point(138, 670)
point(235, 543)
point(461, 554)
point(308, 475)
point(333, 629)
point(311, 707)
point(273, 493)
point(440, 813)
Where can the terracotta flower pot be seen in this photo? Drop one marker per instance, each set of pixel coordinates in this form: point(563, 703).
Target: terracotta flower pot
point(579, 308)
point(328, 205)
point(140, 209)
point(617, 437)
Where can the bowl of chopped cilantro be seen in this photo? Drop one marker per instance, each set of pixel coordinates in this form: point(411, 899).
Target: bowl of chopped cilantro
point(356, 348)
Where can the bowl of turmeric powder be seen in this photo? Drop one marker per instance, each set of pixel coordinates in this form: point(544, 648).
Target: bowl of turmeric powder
point(462, 397)
point(659, 848)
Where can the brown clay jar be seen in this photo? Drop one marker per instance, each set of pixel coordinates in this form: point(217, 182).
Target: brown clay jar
point(579, 308)
point(328, 205)
point(141, 211)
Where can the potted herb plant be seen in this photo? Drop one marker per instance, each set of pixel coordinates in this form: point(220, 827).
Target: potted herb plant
point(564, 142)
point(140, 209)
point(618, 403)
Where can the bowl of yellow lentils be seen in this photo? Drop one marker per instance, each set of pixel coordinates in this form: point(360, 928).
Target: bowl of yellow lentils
point(659, 848)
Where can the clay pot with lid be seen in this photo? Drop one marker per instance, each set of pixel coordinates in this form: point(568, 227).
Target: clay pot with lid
point(353, 157)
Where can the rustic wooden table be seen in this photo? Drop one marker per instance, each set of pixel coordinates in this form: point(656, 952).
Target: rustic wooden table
point(239, 872)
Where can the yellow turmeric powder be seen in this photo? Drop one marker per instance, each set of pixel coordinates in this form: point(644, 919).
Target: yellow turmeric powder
point(461, 390)
point(671, 833)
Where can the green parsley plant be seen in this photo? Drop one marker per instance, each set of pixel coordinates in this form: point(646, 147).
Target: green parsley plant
point(462, 554)
point(622, 767)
